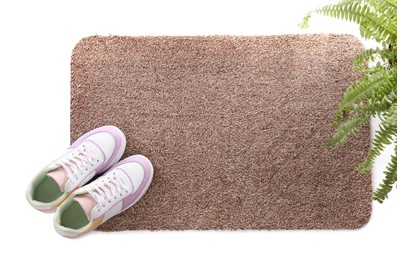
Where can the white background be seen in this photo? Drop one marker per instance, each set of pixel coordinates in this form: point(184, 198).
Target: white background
point(36, 40)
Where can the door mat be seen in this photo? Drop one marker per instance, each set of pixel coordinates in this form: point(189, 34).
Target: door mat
point(235, 127)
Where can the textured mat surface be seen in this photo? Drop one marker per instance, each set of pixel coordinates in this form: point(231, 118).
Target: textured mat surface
point(235, 127)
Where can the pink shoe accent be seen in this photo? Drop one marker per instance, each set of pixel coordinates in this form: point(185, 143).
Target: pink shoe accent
point(147, 166)
point(60, 176)
point(120, 142)
point(87, 202)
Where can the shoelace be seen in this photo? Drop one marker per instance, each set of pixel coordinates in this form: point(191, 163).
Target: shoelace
point(107, 188)
point(79, 162)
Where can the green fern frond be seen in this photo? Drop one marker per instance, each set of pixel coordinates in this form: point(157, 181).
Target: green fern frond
point(368, 55)
point(346, 129)
point(390, 179)
point(362, 90)
point(383, 55)
point(305, 22)
point(365, 33)
point(382, 99)
point(392, 97)
point(376, 92)
point(384, 136)
point(387, 7)
point(392, 3)
point(373, 24)
point(374, 106)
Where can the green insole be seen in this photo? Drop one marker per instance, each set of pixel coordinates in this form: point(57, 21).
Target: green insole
point(74, 216)
point(47, 190)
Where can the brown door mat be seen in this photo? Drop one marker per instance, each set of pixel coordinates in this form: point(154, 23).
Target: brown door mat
point(235, 127)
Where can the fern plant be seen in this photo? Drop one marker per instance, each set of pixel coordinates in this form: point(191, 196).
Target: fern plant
point(375, 94)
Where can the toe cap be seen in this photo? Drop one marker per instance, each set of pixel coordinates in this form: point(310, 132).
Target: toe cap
point(135, 173)
point(105, 141)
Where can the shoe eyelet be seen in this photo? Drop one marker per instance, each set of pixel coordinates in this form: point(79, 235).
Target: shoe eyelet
point(110, 201)
point(97, 160)
point(121, 194)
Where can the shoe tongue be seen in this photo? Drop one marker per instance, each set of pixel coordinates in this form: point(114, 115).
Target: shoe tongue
point(60, 174)
point(60, 177)
point(87, 203)
point(95, 149)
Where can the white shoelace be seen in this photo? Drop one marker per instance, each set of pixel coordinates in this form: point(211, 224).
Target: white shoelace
point(79, 163)
point(107, 188)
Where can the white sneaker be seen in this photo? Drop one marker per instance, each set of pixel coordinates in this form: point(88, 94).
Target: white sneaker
point(91, 154)
point(117, 190)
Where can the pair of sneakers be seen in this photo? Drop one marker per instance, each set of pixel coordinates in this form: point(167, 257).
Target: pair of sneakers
point(80, 209)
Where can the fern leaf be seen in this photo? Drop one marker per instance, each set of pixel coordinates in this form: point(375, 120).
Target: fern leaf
point(345, 129)
point(361, 90)
point(374, 106)
point(376, 92)
point(387, 7)
point(389, 180)
point(368, 55)
point(384, 136)
point(373, 24)
point(383, 55)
